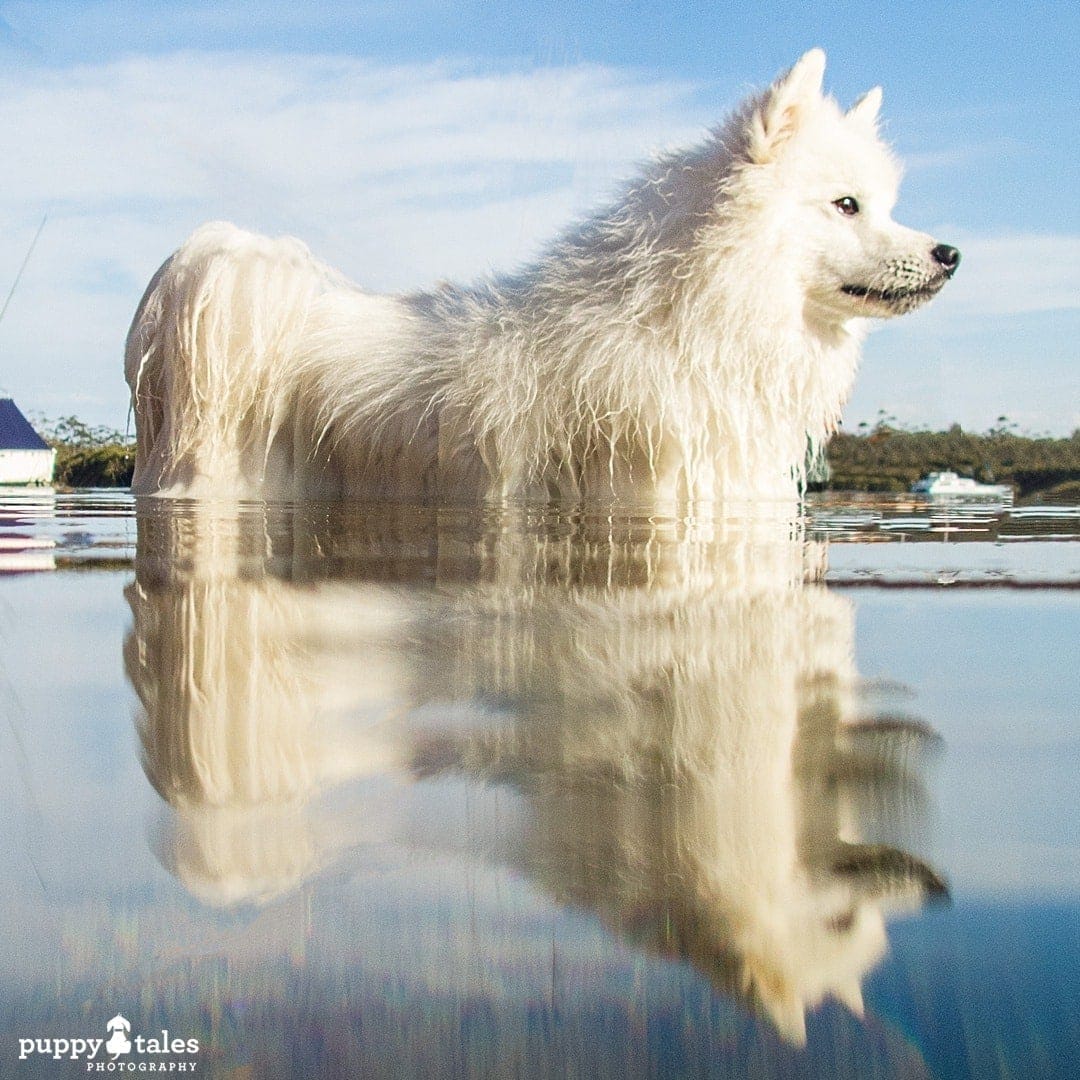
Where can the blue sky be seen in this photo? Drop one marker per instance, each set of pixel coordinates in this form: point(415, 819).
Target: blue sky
point(409, 142)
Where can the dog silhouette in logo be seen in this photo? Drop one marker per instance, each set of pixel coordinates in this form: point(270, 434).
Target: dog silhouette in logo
point(118, 1029)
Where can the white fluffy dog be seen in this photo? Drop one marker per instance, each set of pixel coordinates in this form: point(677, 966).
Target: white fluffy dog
point(693, 341)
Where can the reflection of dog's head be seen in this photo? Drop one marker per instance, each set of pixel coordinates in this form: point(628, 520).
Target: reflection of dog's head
point(697, 776)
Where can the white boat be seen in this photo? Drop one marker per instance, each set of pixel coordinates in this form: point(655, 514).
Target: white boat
point(949, 485)
point(25, 457)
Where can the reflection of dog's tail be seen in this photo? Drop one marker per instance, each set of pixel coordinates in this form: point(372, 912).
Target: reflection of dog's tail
point(208, 356)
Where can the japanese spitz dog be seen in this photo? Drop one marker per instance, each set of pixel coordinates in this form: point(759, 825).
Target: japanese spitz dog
point(693, 341)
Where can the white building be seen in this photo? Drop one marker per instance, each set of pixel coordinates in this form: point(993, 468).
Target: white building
point(25, 457)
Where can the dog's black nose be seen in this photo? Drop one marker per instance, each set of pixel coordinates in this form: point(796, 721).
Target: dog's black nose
point(947, 257)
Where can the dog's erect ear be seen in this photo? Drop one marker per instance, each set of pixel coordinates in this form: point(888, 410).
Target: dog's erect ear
point(865, 110)
point(785, 105)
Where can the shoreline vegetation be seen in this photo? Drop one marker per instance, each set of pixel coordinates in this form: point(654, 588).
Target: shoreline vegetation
point(889, 458)
point(883, 458)
point(87, 456)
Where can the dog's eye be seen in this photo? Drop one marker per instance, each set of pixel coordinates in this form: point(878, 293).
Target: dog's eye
point(847, 206)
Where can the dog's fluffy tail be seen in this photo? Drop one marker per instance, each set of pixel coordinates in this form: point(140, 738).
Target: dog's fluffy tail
point(210, 359)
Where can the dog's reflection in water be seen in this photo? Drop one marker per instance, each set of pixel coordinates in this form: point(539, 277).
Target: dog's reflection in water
point(677, 711)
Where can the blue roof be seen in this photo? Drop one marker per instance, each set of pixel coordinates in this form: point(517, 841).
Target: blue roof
point(15, 430)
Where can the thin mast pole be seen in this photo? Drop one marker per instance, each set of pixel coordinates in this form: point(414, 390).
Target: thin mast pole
point(26, 259)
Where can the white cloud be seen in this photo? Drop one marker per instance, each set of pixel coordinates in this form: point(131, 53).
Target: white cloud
point(1016, 274)
point(199, 127)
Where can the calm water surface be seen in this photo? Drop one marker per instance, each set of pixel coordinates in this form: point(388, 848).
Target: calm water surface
point(350, 792)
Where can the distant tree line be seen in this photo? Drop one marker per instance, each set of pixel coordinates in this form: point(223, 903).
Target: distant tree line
point(886, 457)
point(88, 456)
point(890, 458)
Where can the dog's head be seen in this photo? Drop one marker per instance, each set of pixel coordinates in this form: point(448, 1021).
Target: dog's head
point(833, 183)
